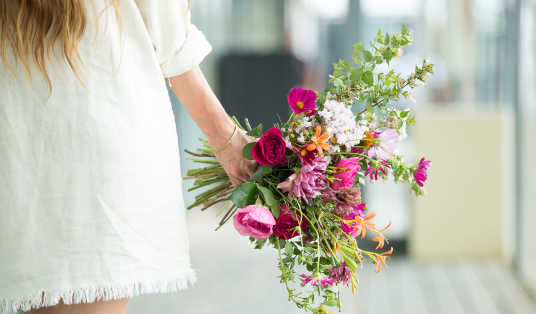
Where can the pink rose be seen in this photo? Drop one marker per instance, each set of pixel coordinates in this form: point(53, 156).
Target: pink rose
point(287, 221)
point(255, 221)
point(346, 178)
point(270, 149)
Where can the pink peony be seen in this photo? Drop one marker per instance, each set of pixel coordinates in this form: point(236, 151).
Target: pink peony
point(346, 178)
point(270, 148)
point(255, 221)
point(287, 222)
point(347, 227)
point(302, 101)
point(420, 174)
point(383, 145)
point(307, 182)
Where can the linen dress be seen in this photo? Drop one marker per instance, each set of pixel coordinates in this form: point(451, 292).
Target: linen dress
point(91, 203)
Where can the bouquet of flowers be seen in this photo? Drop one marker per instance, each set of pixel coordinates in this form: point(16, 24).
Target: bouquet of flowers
point(305, 198)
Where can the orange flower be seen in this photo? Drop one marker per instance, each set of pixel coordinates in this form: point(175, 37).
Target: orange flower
point(318, 141)
point(364, 223)
point(367, 141)
point(380, 238)
point(381, 259)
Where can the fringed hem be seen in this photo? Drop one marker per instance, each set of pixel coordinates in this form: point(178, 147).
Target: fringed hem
point(89, 294)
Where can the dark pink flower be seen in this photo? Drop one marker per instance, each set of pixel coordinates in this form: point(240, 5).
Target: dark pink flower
point(348, 227)
point(420, 174)
point(285, 225)
point(346, 178)
point(340, 274)
point(270, 149)
point(315, 280)
point(302, 101)
point(306, 156)
point(255, 221)
point(376, 165)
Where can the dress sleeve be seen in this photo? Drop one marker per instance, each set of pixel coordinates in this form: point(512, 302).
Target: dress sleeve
point(178, 44)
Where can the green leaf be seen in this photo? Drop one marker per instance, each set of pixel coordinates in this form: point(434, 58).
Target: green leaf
point(386, 38)
point(276, 209)
point(346, 65)
point(338, 82)
point(255, 132)
point(267, 195)
point(289, 249)
point(400, 123)
point(380, 32)
point(328, 89)
point(404, 114)
point(359, 61)
point(404, 29)
point(370, 109)
point(266, 169)
point(243, 193)
point(257, 176)
point(368, 78)
point(246, 151)
point(259, 244)
point(367, 55)
point(331, 302)
point(380, 41)
point(356, 75)
point(358, 47)
point(383, 111)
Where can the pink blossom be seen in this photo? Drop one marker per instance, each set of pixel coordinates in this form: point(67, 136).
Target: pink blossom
point(255, 221)
point(340, 274)
point(307, 183)
point(346, 178)
point(374, 167)
point(316, 279)
point(384, 145)
point(302, 101)
point(420, 174)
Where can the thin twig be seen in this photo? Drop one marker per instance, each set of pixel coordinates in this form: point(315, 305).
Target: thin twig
point(198, 155)
point(203, 175)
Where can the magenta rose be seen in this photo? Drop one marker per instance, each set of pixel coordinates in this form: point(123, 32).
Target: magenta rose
point(255, 221)
point(346, 178)
point(285, 224)
point(270, 149)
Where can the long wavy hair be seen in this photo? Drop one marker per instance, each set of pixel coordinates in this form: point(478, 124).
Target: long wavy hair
point(32, 27)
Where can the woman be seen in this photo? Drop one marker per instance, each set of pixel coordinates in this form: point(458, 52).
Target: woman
point(91, 208)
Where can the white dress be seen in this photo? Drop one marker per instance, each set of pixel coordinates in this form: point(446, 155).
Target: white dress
point(91, 203)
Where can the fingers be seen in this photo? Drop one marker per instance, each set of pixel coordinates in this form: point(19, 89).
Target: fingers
point(233, 182)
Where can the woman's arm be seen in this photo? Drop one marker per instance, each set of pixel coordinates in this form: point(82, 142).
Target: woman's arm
point(204, 107)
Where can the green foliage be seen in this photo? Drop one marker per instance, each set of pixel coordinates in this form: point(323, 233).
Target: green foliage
point(255, 132)
point(246, 151)
point(244, 194)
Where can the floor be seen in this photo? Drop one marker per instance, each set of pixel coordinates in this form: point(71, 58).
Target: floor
point(235, 278)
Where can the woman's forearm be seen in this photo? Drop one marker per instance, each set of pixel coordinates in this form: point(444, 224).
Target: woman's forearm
point(197, 97)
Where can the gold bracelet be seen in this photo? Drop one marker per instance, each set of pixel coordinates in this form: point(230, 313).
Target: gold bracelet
point(229, 141)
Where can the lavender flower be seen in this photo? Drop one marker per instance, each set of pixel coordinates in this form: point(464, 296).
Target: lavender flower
point(383, 145)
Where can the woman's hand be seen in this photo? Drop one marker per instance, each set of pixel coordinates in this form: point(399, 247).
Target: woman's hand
point(237, 167)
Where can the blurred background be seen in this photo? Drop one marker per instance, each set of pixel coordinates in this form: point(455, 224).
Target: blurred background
point(466, 247)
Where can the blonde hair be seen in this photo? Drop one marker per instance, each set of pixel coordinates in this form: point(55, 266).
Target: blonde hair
point(30, 28)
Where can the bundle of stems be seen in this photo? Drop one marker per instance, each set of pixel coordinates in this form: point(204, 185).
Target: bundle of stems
point(212, 174)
